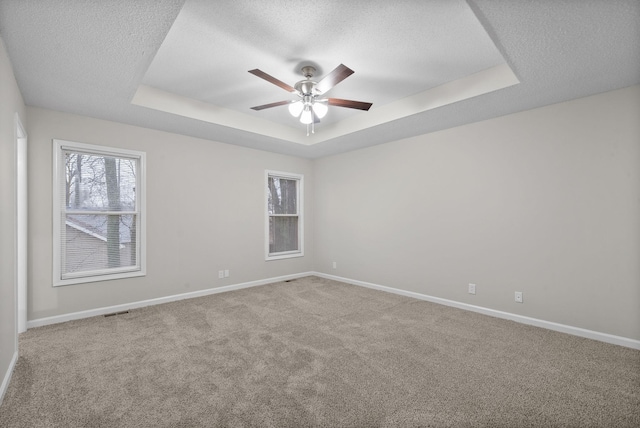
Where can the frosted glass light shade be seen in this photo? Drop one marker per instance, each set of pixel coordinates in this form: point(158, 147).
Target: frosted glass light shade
point(296, 108)
point(320, 109)
point(306, 117)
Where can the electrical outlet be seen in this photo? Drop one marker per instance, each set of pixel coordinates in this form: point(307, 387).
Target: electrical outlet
point(519, 296)
point(226, 273)
point(472, 289)
point(220, 274)
point(335, 265)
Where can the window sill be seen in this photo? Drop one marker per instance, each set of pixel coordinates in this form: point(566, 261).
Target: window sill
point(284, 256)
point(96, 278)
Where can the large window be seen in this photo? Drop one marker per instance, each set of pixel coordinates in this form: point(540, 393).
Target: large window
point(284, 226)
point(98, 213)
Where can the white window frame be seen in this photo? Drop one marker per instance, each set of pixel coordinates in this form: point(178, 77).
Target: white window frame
point(300, 204)
point(59, 212)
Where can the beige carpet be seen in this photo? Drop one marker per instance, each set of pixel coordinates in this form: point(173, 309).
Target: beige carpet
point(316, 353)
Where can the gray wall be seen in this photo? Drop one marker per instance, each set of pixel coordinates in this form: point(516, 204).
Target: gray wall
point(10, 103)
point(205, 212)
point(545, 201)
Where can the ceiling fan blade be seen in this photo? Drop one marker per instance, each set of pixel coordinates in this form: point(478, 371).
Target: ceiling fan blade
point(349, 103)
point(340, 73)
point(276, 104)
point(269, 78)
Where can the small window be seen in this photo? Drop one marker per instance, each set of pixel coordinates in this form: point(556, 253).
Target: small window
point(98, 212)
point(284, 222)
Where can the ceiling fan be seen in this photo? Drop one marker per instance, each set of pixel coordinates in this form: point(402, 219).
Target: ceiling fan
point(311, 107)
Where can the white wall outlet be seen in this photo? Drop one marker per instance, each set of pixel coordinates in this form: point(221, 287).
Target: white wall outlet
point(519, 296)
point(226, 273)
point(220, 274)
point(335, 265)
point(472, 289)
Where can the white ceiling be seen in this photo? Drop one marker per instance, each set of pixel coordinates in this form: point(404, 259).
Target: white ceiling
point(426, 65)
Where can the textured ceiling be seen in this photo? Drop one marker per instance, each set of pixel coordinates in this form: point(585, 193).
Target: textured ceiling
point(426, 66)
point(199, 73)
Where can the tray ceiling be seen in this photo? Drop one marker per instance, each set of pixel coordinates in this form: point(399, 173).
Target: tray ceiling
point(182, 66)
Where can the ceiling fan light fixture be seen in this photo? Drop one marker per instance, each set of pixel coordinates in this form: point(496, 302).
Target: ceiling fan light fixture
point(296, 108)
point(320, 109)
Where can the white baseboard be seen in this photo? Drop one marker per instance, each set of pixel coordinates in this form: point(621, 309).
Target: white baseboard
point(576, 331)
point(140, 304)
point(7, 376)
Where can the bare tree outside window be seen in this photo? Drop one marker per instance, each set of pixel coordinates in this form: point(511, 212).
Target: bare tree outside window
point(113, 221)
point(100, 205)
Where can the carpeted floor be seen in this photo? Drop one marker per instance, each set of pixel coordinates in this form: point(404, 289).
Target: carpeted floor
point(316, 353)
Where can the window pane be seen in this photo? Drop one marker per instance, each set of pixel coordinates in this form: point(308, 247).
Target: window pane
point(96, 242)
point(283, 196)
point(98, 213)
point(283, 234)
point(95, 182)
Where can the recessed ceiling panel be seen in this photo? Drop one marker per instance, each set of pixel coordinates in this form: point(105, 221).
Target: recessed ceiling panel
point(397, 50)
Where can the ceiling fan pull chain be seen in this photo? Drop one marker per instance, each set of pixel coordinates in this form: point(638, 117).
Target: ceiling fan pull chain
point(307, 129)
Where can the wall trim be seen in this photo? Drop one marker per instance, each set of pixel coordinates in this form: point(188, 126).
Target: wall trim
point(7, 376)
point(575, 331)
point(157, 301)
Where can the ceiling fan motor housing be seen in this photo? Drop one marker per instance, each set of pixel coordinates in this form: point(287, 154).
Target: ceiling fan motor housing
point(306, 87)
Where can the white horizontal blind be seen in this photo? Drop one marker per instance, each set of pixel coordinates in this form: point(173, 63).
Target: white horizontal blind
point(100, 218)
point(283, 196)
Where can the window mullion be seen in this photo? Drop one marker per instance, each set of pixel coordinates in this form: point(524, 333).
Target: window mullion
point(89, 212)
